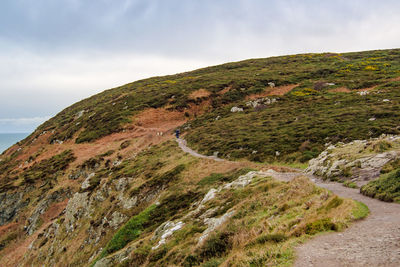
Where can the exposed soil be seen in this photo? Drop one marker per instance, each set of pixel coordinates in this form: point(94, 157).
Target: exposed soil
point(199, 94)
point(7, 228)
point(340, 90)
point(225, 90)
point(279, 90)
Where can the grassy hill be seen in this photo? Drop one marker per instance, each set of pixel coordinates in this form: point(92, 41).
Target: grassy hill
point(103, 183)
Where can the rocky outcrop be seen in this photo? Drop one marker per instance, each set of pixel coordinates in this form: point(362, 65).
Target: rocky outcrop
point(164, 231)
point(236, 109)
point(41, 208)
point(10, 204)
point(360, 160)
point(77, 206)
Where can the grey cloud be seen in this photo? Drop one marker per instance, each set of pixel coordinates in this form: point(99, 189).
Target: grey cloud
point(53, 53)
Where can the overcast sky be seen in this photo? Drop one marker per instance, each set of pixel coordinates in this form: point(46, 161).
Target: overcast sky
point(54, 53)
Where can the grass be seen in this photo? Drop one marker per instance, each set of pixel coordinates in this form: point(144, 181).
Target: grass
point(360, 211)
point(113, 108)
point(48, 169)
point(129, 232)
point(386, 188)
point(271, 218)
point(350, 184)
point(287, 134)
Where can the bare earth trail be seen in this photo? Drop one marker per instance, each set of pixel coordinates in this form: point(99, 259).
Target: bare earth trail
point(373, 241)
point(185, 148)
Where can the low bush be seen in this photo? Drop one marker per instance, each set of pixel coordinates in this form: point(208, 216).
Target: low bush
point(386, 188)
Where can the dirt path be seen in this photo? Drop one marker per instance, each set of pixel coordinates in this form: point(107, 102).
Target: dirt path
point(182, 144)
point(374, 241)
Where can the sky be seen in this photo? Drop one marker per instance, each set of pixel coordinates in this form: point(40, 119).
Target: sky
point(54, 53)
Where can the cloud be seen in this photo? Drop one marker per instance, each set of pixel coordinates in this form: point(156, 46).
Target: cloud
point(54, 53)
point(25, 121)
point(20, 125)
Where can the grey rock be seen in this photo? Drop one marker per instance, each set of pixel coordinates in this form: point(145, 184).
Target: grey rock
point(10, 205)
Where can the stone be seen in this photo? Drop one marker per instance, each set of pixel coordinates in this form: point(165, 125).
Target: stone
point(210, 195)
point(86, 182)
point(214, 223)
point(164, 231)
point(10, 205)
point(236, 109)
point(117, 219)
point(77, 206)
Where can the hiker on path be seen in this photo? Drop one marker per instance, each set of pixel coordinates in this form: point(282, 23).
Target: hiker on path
point(177, 133)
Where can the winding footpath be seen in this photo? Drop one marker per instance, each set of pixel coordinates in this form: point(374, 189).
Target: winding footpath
point(373, 241)
point(183, 145)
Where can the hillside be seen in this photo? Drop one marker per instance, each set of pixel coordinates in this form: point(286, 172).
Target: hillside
point(103, 183)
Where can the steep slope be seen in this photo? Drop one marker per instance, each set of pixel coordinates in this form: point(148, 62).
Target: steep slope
point(102, 183)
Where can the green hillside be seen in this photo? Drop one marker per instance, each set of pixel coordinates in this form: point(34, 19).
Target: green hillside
point(104, 183)
point(107, 112)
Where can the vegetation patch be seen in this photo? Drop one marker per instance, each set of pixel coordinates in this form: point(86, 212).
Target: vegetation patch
point(360, 211)
point(48, 169)
point(129, 232)
point(386, 188)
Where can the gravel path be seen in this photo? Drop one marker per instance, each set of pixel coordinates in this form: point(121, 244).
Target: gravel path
point(183, 145)
point(373, 241)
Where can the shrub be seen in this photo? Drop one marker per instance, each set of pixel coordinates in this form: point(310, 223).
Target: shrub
point(381, 146)
point(48, 169)
point(386, 188)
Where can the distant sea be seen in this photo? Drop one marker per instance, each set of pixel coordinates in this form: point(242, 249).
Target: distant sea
point(9, 139)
